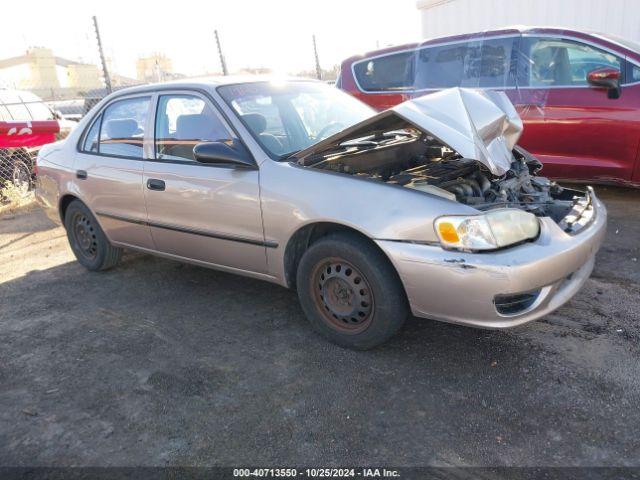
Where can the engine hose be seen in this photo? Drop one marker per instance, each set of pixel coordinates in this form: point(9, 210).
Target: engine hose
point(456, 190)
point(484, 182)
point(477, 192)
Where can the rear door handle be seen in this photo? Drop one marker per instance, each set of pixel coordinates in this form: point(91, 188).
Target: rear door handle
point(155, 184)
point(81, 174)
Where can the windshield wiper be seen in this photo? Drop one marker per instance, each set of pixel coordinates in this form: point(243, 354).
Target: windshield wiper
point(285, 156)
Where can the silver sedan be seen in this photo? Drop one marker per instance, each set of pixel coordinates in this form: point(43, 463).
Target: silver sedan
point(429, 208)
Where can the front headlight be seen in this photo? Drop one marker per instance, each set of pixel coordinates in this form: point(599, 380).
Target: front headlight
point(489, 231)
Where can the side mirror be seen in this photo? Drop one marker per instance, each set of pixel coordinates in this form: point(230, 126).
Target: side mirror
point(606, 77)
point(220, 152)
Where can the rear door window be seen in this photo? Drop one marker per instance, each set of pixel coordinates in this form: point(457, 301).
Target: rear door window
point(386, 73)
point(498, 62)
point(479, 63)
point(122, 129)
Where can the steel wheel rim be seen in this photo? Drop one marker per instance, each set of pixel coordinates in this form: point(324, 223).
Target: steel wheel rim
point(84, 236)
point(342, 295)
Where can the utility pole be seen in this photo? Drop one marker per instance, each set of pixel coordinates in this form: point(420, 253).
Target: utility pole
point(315, 53)
point(105, 72)
point(223, 63)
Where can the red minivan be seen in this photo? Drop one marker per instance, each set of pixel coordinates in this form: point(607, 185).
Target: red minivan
point(577, 93)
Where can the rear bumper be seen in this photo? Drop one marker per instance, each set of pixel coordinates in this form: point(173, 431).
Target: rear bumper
point(462, 287)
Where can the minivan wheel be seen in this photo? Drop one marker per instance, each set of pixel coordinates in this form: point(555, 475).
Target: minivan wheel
point(350, 292)
point(87, 240)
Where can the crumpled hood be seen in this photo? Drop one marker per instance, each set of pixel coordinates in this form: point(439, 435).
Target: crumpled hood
point(481, 125)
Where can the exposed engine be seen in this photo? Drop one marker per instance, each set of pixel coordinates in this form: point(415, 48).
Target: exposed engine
point(413, 159)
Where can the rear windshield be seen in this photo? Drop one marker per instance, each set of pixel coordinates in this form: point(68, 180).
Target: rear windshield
point(20, 111)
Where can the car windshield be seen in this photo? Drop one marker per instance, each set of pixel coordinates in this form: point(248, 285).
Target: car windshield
point(286, 117)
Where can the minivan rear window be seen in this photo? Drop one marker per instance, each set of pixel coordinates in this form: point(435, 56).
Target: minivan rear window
point(388, 72)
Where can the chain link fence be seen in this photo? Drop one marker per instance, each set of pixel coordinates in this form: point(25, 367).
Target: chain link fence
point(17, 174)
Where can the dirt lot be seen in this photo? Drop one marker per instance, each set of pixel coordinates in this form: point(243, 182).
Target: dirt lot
point(158, 363)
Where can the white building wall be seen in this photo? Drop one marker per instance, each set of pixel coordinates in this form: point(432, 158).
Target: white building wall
point(452, 17)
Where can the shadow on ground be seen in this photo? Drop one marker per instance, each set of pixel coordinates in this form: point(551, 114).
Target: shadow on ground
point(158, 363)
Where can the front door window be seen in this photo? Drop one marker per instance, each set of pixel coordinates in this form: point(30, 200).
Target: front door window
point(553, 62)
point(182, 122)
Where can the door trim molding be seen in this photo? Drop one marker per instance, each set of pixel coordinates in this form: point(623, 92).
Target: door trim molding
point(203, 233)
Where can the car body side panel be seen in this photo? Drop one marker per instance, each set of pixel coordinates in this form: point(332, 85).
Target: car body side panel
point(460, 287)
point(55, 178)
point(113, 191)
point(294, 196)
point(580, 133)
point(206, 213)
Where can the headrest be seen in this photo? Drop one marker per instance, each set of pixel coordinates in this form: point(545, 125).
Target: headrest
point(256, 121)
point(196, 126)
point(124, 128)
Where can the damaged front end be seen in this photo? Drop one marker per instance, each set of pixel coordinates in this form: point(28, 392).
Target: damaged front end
point(458, 144)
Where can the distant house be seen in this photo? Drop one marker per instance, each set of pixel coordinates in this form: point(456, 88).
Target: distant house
point(39, 71)
point(155, 68)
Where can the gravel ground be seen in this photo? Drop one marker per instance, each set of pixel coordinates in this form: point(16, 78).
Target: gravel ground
point(158, 363)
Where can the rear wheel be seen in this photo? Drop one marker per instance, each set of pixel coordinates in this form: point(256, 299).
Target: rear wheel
point(87, 240)
point(350, 292)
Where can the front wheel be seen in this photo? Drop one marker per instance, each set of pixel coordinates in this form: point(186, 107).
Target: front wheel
point(88, 242)
point(350, 292)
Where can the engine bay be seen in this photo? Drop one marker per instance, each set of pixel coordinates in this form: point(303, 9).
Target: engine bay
point(403, 155)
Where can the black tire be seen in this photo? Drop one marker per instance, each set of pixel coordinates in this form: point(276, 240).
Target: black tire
point(87, 240)
point(350, 292)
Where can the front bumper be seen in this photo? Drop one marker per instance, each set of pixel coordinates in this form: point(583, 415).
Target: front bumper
point(462, 287)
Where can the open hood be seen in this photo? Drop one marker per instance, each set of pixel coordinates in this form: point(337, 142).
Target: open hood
point(479, 125)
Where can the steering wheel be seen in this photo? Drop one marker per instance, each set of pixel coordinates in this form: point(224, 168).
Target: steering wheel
point(322, 134)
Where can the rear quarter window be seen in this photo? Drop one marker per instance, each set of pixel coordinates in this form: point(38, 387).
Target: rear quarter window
point(386, 73)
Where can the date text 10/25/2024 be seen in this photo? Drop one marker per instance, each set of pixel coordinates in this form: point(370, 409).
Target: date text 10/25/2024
point(316, 472)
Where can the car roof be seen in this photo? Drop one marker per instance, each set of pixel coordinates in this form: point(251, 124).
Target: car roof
point(510, 30)
point(211, 82)
point(10, 96)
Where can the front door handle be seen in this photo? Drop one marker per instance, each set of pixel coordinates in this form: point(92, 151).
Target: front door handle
point(155, 184)
point(81, 174)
